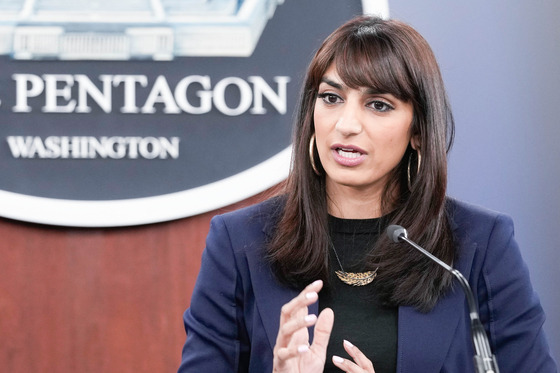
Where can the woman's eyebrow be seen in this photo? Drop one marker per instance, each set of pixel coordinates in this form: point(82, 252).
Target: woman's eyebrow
point(375, 91)
point(369, 91)
point(332, 83)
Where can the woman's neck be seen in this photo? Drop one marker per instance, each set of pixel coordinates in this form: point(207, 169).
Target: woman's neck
point(350, 203)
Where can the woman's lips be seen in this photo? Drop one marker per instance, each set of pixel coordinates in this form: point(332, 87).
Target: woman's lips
point(347, 155)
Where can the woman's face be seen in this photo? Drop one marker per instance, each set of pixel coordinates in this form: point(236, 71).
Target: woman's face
point(361, 135)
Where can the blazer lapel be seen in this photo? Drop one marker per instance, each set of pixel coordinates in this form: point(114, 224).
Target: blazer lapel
point(270, 295)
point(425, 338)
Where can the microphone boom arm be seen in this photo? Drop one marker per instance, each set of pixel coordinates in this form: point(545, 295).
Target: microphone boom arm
point(484, 360)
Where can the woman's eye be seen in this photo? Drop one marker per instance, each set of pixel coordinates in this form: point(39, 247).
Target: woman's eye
point(329, 98)
point(381, 106)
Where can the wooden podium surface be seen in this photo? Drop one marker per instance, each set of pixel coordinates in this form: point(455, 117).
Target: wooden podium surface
point(97, 300)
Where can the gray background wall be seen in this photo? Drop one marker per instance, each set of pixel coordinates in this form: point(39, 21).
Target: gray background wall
point(501, 64)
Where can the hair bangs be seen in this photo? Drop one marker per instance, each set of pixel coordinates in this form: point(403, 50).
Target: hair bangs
point(366, 59)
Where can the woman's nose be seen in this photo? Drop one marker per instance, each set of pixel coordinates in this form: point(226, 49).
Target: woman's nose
point(349, 123)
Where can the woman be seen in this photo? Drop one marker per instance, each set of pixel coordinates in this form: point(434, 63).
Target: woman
point(370, 143)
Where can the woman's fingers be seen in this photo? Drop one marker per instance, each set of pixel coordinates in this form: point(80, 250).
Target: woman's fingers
point(323, 329)
point(293, 337)
point(297, 323)
point(361, 363)
point(286, 353)
point(358, 356)
point(305, 298)
point(293, 315)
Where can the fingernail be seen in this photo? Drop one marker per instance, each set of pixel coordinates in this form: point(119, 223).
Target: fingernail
point(311, 295)
point(337, 359)
point(317, 282)
point(348, 344)
point(303, 348)
point(310, 318)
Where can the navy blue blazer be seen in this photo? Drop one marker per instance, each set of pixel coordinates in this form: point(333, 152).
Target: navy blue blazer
point(234, 314)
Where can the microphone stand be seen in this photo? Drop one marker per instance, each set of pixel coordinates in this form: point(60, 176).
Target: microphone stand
point(484, 360)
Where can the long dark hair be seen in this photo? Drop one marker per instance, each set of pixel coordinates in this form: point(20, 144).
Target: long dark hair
point(391, 57)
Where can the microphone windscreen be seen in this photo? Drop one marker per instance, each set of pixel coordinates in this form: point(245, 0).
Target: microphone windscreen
point(395, 231)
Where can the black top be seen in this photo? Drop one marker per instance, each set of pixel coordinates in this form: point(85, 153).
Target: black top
point(358, 317)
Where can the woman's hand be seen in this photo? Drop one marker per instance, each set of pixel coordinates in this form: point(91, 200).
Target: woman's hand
point(361, 363)
point(292, 352)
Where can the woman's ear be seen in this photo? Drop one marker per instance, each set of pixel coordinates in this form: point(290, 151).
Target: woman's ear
point(415, 142)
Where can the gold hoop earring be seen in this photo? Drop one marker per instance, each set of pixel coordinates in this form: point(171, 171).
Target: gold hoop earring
point(417, 168)
point(312, 155)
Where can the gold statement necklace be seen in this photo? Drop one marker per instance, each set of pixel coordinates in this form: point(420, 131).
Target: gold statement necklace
point(351, 278)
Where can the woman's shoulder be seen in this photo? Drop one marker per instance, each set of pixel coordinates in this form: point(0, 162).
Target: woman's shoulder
point(459, 210)
point(476, 221)
point(262, 213)
point(244, 230)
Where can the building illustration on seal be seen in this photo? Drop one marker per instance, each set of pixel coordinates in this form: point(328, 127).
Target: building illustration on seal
point(131, 29)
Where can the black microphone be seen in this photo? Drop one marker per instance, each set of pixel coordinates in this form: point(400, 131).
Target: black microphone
point(484, 360)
